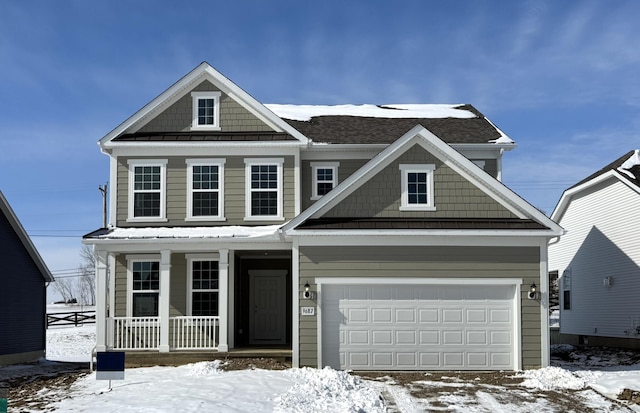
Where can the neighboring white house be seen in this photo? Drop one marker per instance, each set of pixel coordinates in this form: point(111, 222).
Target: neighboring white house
point(598, 260)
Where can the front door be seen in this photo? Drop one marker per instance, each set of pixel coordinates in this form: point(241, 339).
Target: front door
point(267, 317)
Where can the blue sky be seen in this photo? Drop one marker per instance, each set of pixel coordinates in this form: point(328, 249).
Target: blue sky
point(561, 78)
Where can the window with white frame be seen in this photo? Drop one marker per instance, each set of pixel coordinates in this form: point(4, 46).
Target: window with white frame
point(147, 189)
point(417, 187)
point(264, 189)
point(206, 110)
point(144, 286)
point(205, 182)
point(203, 286)
point(325, 178)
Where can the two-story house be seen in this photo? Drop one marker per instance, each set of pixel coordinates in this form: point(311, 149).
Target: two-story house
point(360, 237)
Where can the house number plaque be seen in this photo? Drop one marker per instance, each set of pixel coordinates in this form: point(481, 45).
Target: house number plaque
point(308, 310)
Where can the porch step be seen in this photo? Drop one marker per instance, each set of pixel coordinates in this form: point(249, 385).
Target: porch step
point(178, 358)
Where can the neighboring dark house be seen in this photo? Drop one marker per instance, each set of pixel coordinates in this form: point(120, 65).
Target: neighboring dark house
point(23, 282)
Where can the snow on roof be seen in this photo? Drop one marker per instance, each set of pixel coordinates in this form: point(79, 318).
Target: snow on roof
point(270, 231)
point(306, 112)
point(630, 163)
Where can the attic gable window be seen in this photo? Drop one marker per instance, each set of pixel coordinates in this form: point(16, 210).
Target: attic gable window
point(325, 178)
point(206, 110)
point(417, 187)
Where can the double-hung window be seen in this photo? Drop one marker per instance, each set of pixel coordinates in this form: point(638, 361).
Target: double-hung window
point(206, 110)
point(203, 286)
point(417, 187)
point(325, 178)
point(144, 286)
point(147, 190)
point(264, 189)
point(205, 183)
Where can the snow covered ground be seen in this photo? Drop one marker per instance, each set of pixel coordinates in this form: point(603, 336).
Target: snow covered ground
point(580, 383)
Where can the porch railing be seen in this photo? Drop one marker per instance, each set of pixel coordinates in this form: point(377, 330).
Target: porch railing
point(134, 333)
point(143, 333)
point(194, 333)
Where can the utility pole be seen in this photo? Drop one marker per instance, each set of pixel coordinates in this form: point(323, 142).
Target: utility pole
point(103, 190)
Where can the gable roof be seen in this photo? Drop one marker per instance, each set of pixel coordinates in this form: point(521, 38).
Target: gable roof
point(6, 210)
point(626, 169)
point(384, 124)
point(202, 72)
point(452, 158)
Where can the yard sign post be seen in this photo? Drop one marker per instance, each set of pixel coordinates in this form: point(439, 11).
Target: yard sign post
point(110, 366)
point(4, 395)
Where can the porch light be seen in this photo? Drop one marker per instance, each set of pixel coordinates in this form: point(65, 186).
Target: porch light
point(307, 292)
point(533, 292)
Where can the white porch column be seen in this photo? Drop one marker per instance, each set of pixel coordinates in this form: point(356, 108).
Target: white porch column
point(101, 300)
point(163, 302)
point(223, 300)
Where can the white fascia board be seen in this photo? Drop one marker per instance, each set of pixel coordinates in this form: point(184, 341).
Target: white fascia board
point(207, 150)
point(407, 239)
point(204, 71)
point(568, 195)
point(184, 245)
point(478, 151)
point(339, 151)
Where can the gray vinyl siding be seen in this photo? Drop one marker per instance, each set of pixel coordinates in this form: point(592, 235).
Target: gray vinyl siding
point(23, 303)
point(421, 262)
point(454, 196)
point(178, 116)
point(176, 194)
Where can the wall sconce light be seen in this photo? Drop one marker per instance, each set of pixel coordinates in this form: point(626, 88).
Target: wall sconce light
point(608, 281)
point(307, 292)
point(533, 293)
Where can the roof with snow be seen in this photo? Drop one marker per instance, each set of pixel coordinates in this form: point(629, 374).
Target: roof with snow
point(628, 165)
point(373, 124)
point(147, 233)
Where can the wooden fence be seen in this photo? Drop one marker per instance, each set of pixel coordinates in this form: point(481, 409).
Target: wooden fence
point(71, 318)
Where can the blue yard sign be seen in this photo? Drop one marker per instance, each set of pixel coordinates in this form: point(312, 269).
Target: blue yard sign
point(110, 365)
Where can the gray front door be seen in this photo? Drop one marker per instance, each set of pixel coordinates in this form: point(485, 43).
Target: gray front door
point(267, 306)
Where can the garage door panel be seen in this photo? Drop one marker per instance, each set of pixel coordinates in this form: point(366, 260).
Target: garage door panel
point(429, 337)
point(405, 315)
point(417, 327)
point(452, 315)
point(381, 315)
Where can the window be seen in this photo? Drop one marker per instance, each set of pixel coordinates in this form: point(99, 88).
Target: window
point(566, 289)
point(146, 190)
point(206, 110)
point(417, 187)
point(325, 178)
point(264, 189)
point(203, 286)
point(205, 180)
point(145, 288)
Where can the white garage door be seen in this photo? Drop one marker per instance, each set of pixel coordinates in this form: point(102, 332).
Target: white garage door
point(418, 327)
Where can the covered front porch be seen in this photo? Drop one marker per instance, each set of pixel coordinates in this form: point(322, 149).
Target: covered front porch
point(193, 297)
